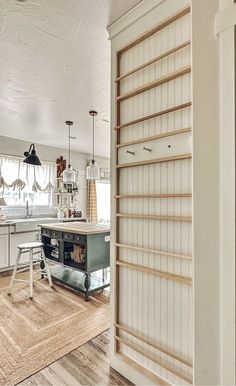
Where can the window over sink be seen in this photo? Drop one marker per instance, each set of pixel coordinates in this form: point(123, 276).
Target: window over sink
point(20, 182)
point(103, 200)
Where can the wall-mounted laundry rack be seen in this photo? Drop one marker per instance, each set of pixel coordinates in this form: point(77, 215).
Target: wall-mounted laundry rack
point(153, 195)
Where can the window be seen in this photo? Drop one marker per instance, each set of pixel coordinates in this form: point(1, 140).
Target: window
point(21, 182)
point(103, 201)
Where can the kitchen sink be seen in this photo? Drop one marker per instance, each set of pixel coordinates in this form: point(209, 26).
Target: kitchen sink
point(30, 224)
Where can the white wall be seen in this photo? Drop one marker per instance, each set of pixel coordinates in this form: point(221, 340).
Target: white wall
point(16, 147)
point(206, 192)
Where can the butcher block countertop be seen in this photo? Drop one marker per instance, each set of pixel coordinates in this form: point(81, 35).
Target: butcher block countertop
point(77, 227)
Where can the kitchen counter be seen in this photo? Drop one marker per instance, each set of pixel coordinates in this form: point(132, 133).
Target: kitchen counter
point(24, 224)
point(38, 219)
point(21, 230)
point(77, 227)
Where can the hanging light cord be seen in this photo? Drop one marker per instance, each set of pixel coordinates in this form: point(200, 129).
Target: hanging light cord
point(69, 146)
point(93, 113)
point(93, 138)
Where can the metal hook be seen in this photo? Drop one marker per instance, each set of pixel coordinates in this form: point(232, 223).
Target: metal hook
point(130, 152)
point(147, 149)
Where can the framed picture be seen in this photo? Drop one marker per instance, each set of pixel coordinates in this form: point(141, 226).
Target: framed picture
point(65, 199)
point(61, 166)
point(105, 174)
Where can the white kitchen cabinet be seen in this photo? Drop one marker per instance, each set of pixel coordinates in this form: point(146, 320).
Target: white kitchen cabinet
point(20, 238)
point(4, 247)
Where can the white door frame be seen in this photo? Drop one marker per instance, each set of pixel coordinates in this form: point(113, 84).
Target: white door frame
point(225, 30)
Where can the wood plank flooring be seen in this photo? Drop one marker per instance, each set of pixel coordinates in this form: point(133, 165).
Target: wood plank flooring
point(87, 365)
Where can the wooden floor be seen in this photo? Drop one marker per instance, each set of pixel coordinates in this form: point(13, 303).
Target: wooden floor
point(87, 365)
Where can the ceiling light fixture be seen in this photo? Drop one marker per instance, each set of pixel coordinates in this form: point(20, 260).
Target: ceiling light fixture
point(31, 156)
point(68, 176)
point(93, 171)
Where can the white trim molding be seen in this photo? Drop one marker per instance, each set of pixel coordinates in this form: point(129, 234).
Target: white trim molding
point(132, 16)
point(225, 22)
point(225, 19)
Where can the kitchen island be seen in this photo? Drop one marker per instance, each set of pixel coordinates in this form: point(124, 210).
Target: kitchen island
point(81, 252)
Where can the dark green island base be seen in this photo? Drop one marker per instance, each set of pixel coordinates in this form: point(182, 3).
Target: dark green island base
point(88, 275)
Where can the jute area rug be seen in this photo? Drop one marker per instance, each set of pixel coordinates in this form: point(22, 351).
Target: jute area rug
point(35, 333)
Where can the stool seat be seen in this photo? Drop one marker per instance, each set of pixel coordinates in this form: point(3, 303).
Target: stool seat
point(30, 245)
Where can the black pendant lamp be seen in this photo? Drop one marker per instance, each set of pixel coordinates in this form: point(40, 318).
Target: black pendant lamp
point(31, 156)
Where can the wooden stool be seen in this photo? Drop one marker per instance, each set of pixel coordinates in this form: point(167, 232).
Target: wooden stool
point(34, 248)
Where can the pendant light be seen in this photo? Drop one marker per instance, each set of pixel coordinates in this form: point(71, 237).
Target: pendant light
point(31, 156)
point(68, 176)
point(93, 171)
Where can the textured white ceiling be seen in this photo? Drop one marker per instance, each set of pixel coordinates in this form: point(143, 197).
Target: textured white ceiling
point(55, 65)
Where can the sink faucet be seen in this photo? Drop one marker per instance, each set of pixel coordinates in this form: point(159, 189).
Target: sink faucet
point(27, 209)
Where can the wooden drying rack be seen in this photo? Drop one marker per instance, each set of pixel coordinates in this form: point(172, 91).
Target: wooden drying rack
point(150, 116)
point(155, 161)
point(151, 196)
point(154, 251)
point(153, 358)
point(159, 347)
point(119, 263)
point(155, 83)
point(154, 217)
point(155, 272)
point(154, 137)
point(157, 59)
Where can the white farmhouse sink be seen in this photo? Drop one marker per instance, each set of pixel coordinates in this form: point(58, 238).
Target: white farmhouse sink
point(25, 225)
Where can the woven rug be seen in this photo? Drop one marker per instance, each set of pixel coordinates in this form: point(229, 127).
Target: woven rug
point(35, 333)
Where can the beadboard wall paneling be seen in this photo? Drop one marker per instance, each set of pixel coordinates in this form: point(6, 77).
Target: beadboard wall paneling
point(153, 267)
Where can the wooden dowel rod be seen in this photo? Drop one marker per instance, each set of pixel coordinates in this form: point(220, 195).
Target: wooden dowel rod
point(159, 27)
point(156, 346)
point(154, 137)
point(155, 217)
point(155, 379)
point(164, 195)
point(155, 161)
point(154, 359)
point(154, 251)
point(155, 83)
point(154, 115)
point(155, 272)
point(150, 62)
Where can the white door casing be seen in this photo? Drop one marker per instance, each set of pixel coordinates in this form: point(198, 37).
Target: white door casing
point(225, 22)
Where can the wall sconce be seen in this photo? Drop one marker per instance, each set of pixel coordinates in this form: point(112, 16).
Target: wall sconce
point(31, 156)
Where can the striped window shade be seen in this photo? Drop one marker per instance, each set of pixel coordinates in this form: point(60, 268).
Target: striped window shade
point(91, 201)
